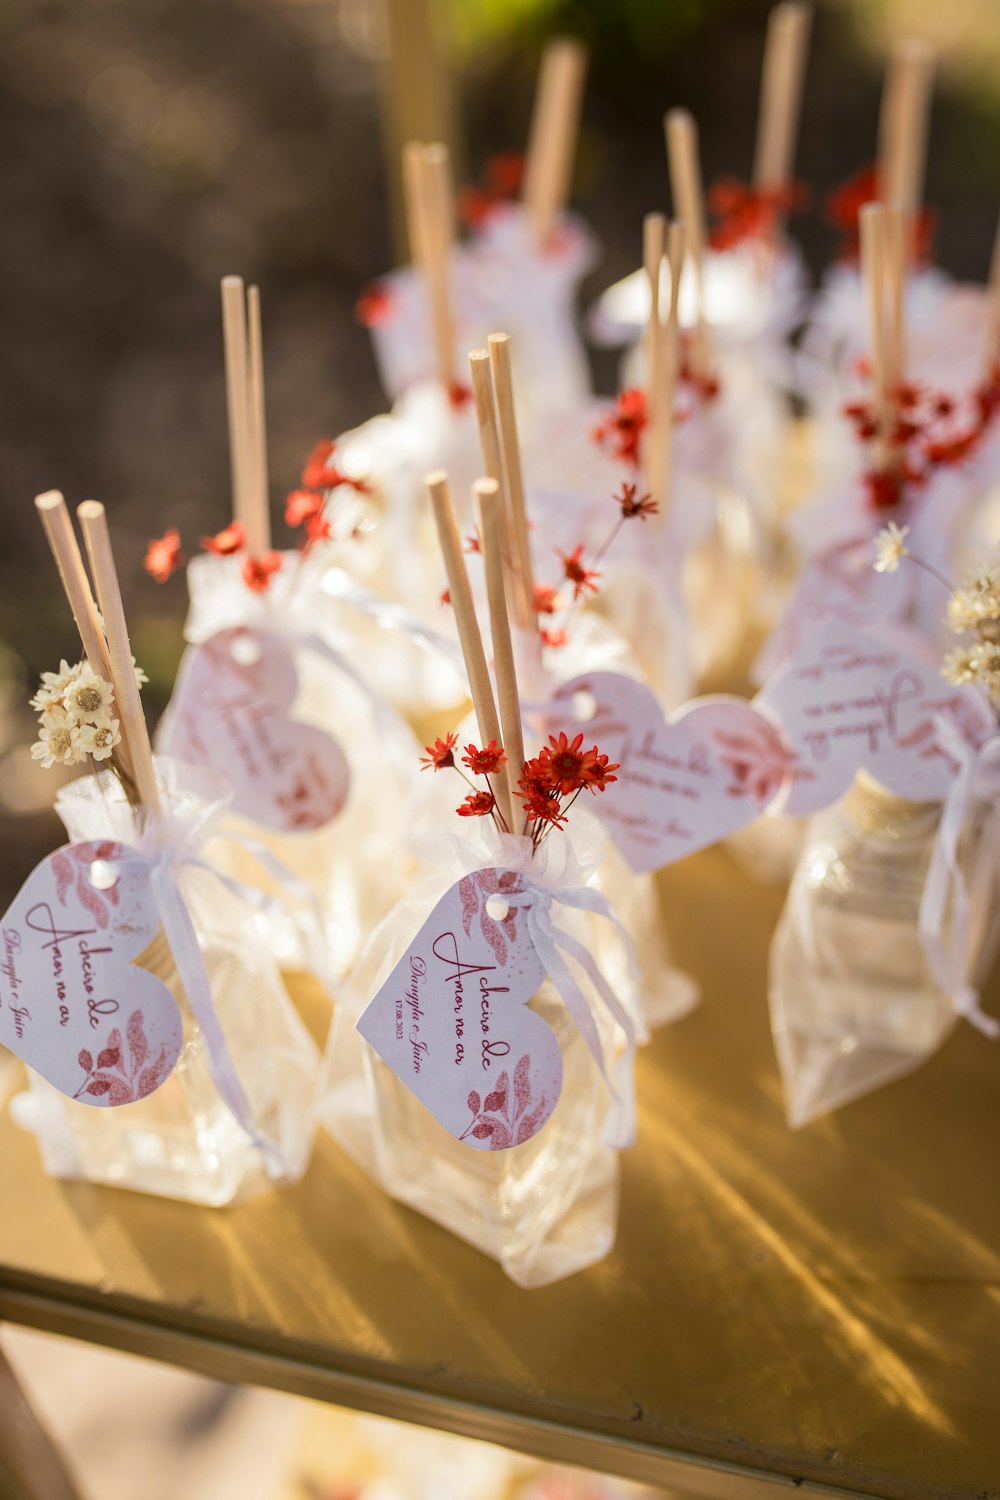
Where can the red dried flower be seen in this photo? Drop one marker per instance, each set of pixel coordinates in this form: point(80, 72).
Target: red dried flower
point(560, 764)
point(502, 182)
point(318, 528)
point(477, 805)
point(375, 307)
point(630, 506)
point(582, 578)
point(472, 543)
point(258, 571)
point(446, 596)
point(319, 473)
point(484, 762)
point(554, 638)
point(596, 772)
point(459, 395)
point(845, 202)
point(230, 539)
point(620, 431)
point(883, 488)
point(548, 600)
point(540, 802)
point(300, 505)
point(440, 755)
point(163, 556)
point(743, 212)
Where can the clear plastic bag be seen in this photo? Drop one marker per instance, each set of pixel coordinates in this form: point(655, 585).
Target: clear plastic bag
point(355, 864)
point(543, 1209)
point(184, 1141)
point(854, 1001)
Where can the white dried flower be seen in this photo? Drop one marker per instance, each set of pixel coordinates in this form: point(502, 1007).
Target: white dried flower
point(890, 547)
point(977, 603)
point(89, 697)
point(99, 740)
point(140, 677)
point(55, 684)
point(979, 662)
point(58, 740)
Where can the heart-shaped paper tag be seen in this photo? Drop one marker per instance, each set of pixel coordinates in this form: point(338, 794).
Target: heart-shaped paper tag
point(230, 711)
point(859, 699)
point(452, 1021)
point(684, 782)
point(73, 1005)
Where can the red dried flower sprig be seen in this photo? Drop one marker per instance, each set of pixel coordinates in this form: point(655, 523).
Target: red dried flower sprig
point(927, 430)
point(619, 432)
point(582, 577)
point(305, 509)
point(743, 212)
point(549, 783)
point(845, 203)
point(501, 184)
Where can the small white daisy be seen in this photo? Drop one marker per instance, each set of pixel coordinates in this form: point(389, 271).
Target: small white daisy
point(89, 697)
point(99, 740)
point(58, 740)
point(890, 547)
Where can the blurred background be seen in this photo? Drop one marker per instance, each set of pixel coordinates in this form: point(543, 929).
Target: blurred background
point(148, 147)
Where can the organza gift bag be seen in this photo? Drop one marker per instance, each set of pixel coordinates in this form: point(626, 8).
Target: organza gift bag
point(547, 1205)
point(236, 1113)
point(273, 693)
point(890, 924)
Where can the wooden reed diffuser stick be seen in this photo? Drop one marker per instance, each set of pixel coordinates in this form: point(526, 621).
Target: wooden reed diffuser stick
point(439, 219)
point(872, 224)
point(234, 334)
point(904, 122)
point(782, 77)
point(670, 360)
point(895, 272)
point(654, 229)
point(993, 322)
point(102, 565)
point(484, 397)
point(259, 510)
point(554, 127)
point(58, 527)
point(510, 452)
point(471, 641)
point(689, 206)
point(55, 519)
point(489, 504)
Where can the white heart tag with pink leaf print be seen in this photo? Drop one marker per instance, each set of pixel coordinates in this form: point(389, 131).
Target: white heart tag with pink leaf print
point(231, 712)
point(452, 1022)
point(684, 782)
point(73, 1004)
point(852, 700)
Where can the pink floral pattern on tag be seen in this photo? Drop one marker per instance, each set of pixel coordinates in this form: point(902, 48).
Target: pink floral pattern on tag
point(507, 1117)
point(119, 1072)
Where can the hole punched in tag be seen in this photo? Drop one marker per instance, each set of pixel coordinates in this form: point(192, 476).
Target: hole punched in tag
point(103, 874)
point(583, 706)
point(246, 650)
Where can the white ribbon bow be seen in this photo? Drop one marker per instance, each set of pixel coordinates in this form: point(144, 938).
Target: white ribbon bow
point(163, 863)
point(946, 894)
point(551, 942)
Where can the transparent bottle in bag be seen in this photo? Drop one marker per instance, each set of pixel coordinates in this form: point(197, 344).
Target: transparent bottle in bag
point(543, 1209)
point(183, 1141)
point(854, 1003)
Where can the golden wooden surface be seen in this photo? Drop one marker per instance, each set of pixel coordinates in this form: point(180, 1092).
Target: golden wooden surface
point(822, 1307)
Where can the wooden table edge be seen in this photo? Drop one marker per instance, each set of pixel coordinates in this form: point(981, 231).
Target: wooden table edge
point(228, 1360)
